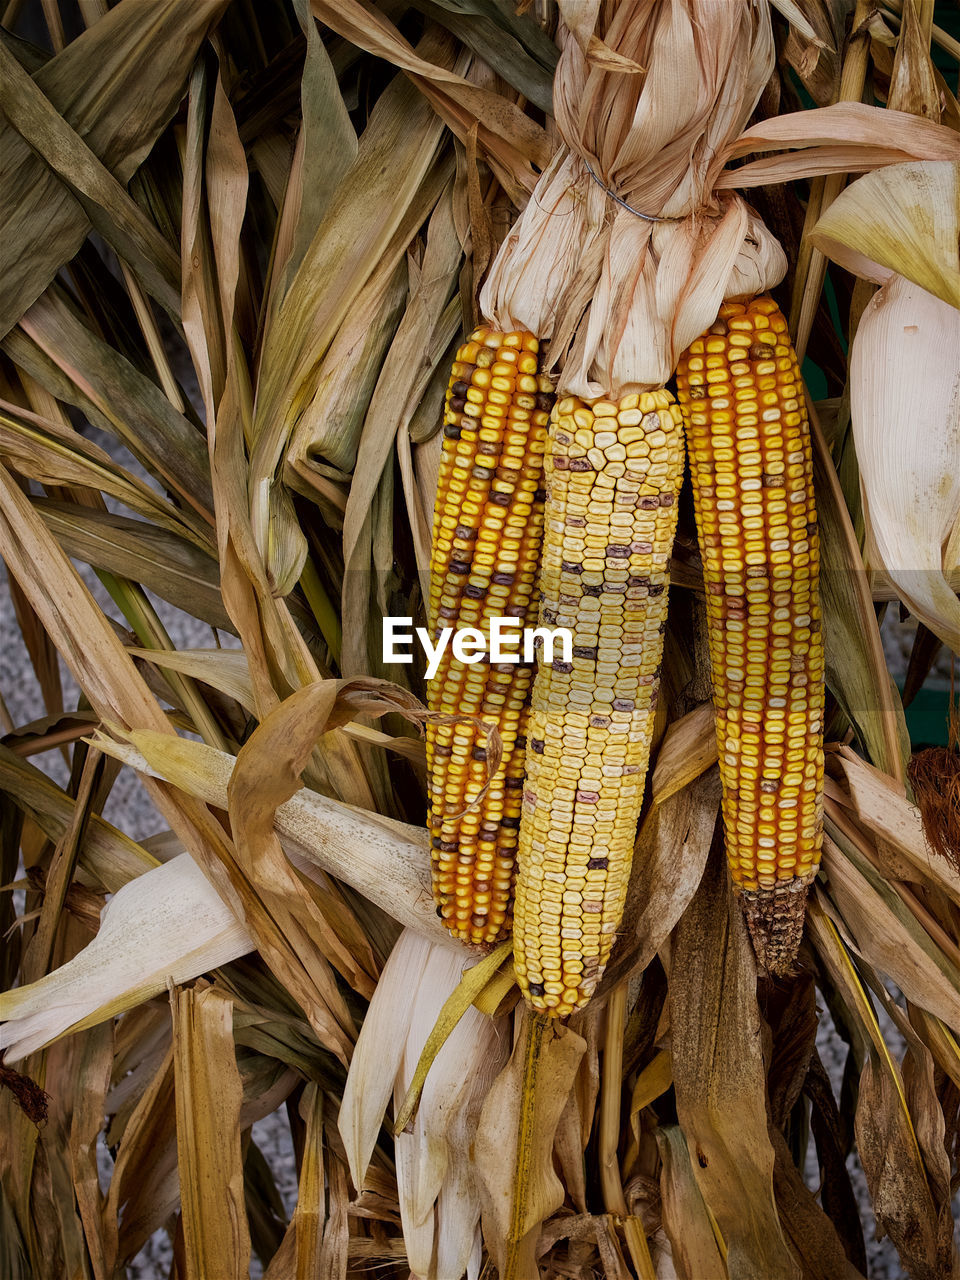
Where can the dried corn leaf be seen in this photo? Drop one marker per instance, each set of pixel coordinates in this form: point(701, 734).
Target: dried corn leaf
point(387, 181)
point(157, 559)
point(111, 211)
point(689, 749)
point(881, 927)
point(668, 864)
point(145, 1188)
point(483, 27)
point(384, 860)
point(166, 925)
point(208, 1094)
point(896, 824)
point(116, 85)
point(513, 143)
point(128, 404)
point(719, 1078)
point(847, 137)
point(856, 670)
point(519, 1188)
point(106, 854)
point(43, 451)
point(686, 1220)
point(401, 383)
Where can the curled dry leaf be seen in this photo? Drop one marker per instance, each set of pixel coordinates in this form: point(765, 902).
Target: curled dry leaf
point(903, 220)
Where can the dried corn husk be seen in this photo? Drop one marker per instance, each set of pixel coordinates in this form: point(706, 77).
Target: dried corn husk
point(899, 227)
point(905, 409)
point(621, 296)
point(436, 1178)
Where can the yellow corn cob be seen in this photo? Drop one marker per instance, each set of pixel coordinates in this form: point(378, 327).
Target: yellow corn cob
point(613, 472)
point(750, 458)
point(487, 533)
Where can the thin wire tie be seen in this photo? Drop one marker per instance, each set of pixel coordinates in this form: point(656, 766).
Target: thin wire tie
point(647, 217)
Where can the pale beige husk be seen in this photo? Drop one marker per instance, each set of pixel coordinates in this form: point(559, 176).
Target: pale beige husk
point(905, 411)
point(618, 296)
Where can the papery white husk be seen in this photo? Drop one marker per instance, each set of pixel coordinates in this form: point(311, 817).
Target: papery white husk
point(618, 297)
point(905, 412)
point(176, 930)
point(439, 1201)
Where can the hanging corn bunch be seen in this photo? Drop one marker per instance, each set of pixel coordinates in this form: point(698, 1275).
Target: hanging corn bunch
point(621, 259)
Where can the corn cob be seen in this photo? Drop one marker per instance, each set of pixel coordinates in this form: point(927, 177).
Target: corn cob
point(487, 533)
point(750, 458)
point(613, 472)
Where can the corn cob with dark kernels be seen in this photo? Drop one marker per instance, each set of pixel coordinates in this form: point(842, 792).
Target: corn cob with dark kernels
point(750, 458)
point(613, 473)
point(487, 534)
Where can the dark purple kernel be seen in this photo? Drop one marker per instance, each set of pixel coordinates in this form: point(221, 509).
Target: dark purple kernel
point(564, 667)
point(592, 591)
point(451, 432)
point(666, 499)
point(583, 651)
point(561, 464)
point(656, 589)
point(448, 846)
point(580, 464)
point(500, 499)
point(513, 784)
point(536, 746)
point(568, 566)
point(539, 495)
point(598, 864)
point(648, 504)
point(623, 704)
point(543, 400)
point(473, 592)
point(536, 988)
point(503, 579)
point(511, 824)
point(637, 581)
